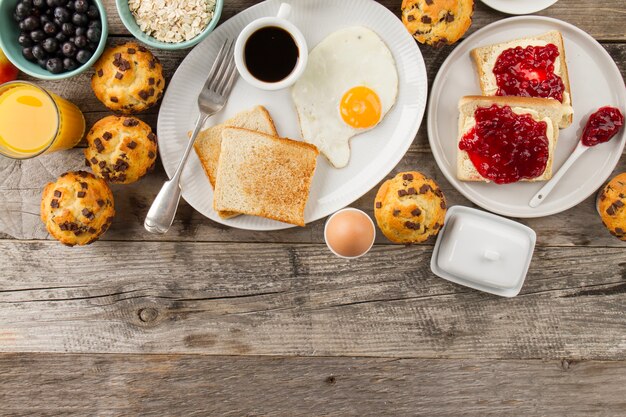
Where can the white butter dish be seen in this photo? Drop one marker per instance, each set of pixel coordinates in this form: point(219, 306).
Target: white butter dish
point(483, 251)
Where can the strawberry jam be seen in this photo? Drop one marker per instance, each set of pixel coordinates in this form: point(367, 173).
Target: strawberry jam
point(506, 147)
point(529, 72)
point(602, 126)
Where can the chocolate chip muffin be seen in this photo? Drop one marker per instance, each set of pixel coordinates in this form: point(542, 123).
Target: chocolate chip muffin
point(128, 78)
point(77, 208)
point(409, 208)
point(121, 149)
point(437, 22)
point(610, 204)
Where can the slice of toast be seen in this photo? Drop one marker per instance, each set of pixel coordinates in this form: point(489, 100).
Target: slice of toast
point(538, 108)
point(263, 175)
point(485, 58)
point(209, 141)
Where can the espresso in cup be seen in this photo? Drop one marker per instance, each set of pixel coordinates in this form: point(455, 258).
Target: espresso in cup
point(271, 54)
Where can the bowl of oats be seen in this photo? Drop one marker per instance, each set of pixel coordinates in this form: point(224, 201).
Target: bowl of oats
point(170, 24)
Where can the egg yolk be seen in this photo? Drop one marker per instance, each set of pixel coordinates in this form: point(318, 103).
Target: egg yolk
point(360, 107)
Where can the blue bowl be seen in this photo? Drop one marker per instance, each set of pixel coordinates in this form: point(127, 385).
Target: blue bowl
point(129, 21)
point(9, 32)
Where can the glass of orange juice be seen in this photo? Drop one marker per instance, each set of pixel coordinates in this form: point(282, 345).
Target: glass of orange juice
point(34, 121)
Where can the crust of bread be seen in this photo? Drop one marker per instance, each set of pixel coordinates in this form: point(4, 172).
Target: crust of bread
point(264, 175)
point(479, 57)
point(544, 107)
point(207, 145)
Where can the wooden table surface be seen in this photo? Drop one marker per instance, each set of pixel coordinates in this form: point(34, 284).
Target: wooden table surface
point(208, 320)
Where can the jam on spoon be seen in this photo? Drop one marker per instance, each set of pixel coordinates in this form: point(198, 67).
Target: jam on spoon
point(529, 72)
point(505, 146)
point(601, 127)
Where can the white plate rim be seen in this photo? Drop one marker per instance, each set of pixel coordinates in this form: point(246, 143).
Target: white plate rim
point(517, 7)
point(451, 177)
point(416, 109)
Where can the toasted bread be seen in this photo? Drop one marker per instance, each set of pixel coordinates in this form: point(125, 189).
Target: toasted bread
point(263, 175)
point(485, 58)
point(538, 108)
point(208, 143)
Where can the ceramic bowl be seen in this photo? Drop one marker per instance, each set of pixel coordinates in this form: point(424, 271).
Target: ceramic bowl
point(129, 21)
point(9, 32)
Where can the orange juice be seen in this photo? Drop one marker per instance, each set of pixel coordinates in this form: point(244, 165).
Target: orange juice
point(34, 121)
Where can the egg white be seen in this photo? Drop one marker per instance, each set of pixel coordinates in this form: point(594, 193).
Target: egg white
point(347, 58)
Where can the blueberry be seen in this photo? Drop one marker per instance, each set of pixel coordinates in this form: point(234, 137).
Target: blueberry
point(39, 4)
point(69, 49)
point(62, 14)
point(69, 64)
point(80, 41)
point(22, 10)
point(43, 19)
point(42, 63)
point(92, 46)
point(69, 4)
point(21, 25)
point(54, 65)
point(31, 23)
point(67, 28)
point(80, 19)
point(80, 32)
point(61, 37)
point(95, 24)
point(50, 45)
point(37, 35)
point(81, 6)
point(24, 40)
point(93, 12)
point(83, 56)
point(54, 3)
point(93, 34)
point(50, 28)
point(28, 54)
point(38, 52)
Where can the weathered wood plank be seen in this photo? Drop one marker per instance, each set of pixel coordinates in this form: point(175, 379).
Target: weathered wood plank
point(605, 22)
point(159, 385)
point(78, 89)
point(21, 184)
point(271, 299)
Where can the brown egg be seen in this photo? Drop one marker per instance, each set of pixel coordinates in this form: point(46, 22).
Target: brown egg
point(349, 233)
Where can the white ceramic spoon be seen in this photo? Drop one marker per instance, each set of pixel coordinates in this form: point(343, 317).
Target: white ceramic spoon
point(547, 189)
point(612, 120)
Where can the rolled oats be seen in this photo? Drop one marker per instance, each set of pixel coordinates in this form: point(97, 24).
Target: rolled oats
point(172, 21)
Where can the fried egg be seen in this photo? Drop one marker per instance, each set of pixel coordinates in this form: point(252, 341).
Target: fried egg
point(349, 85)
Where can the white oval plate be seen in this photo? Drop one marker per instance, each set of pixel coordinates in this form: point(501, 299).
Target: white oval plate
point(595, 81)
point(519, 6)
point(374, 153)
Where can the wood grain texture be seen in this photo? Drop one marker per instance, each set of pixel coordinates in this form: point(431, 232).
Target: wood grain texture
point(157, 385)
point(604, 22)
point(21, 183)
point(78, 89)
point(272, 299)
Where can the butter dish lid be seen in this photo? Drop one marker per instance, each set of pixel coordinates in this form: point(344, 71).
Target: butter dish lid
point(483, 251)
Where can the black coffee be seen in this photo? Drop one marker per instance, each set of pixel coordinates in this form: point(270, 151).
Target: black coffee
point(271, 54)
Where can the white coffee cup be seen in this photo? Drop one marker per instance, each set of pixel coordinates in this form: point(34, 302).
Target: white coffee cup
point(281, 22)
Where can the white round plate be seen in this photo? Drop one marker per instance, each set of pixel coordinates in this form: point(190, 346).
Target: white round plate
point(374, 153)
point(595, 81)
point(519, 6)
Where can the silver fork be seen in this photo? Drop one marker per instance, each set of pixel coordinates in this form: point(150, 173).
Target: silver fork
point(211, 100)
